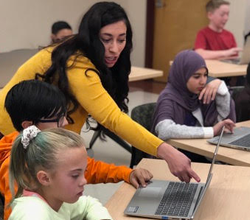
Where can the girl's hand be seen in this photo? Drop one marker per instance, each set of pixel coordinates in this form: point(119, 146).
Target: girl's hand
point(139, 177)
point(209, 92)
point(229, 125)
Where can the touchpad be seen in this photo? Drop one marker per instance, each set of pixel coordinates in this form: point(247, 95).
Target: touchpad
point(150, 192)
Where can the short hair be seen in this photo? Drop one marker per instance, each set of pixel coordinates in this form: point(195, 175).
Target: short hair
point(31, 100)
point(59, 25)
point(214, 4)
point(40, 154)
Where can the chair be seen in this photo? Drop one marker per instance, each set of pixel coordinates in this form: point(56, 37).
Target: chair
point(143, 115)
point(235, 90)
point(111, 135)
point(242, 108)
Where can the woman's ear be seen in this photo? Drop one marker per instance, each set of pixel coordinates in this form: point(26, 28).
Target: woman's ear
point(43, 178)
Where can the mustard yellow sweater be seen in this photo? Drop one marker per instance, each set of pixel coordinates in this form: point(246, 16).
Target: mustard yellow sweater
point(91, 95)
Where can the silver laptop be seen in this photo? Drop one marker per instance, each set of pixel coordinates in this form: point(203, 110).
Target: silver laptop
point(168, 199)
point(240, 139)
point(244, 56)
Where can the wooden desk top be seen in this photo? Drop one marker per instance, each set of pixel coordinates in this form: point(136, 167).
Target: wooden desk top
point(202, 147)
point(11, 61)
point(220, 69)
point(139, 73)
point(227, 196)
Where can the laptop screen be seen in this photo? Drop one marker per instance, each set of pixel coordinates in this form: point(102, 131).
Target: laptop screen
point(215, 152)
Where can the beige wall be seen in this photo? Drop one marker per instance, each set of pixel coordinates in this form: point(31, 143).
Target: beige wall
point(27, 23)
point(236, 22)
point(247, 18)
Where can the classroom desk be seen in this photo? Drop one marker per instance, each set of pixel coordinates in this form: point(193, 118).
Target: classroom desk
point(227, 196)
point(221, 69)
point(11, 61)
point(227, 155)
point(140, 73)
point(137, 73)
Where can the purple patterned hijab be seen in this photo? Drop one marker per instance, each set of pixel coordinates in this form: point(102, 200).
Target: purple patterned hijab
point(175, 101)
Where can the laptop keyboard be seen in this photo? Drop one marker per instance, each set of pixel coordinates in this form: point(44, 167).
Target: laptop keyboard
point(244, 141)
point(234, 61)
point(177, 199)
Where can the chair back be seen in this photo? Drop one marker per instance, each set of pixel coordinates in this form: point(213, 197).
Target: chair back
point(241, 99)
point(235, 91)
point(143, 114)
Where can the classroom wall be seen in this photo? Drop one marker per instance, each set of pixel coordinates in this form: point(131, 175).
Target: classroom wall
point(238, 19)
point(247, 17)
point(27, 23)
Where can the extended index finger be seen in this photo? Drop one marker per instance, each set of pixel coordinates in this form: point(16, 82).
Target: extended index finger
point(194, 175)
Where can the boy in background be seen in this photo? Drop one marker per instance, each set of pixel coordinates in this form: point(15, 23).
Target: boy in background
point(213, 41)
point(60, 30)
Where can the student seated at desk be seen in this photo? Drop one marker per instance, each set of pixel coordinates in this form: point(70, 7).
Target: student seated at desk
point(182, 110)
point(48, 167)
point(50, 112)
point(213, 41)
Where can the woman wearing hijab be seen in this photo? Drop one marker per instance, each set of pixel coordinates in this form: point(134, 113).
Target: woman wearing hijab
point(182, 111)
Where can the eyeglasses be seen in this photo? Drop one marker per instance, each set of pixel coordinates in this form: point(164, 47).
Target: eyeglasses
point(59, 120)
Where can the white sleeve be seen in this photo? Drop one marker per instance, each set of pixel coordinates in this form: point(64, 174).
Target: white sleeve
point(28, 208)
point(167, 129)
point(89, 208)
point(222, 100)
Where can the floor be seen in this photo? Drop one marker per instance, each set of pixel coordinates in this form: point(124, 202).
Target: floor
point(140, 92)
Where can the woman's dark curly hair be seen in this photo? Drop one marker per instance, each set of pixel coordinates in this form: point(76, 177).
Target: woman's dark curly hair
point(88, 43)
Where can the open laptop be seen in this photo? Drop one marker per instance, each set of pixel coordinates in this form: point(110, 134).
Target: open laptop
point(240, 139)
point(169, 199)
point(244, 57)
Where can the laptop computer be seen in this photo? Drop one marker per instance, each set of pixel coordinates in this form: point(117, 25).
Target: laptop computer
point(244, 57)
point(169, 199)
point(240, 139)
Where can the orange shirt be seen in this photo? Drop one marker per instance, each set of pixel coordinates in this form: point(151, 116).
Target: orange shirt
point(96, 172)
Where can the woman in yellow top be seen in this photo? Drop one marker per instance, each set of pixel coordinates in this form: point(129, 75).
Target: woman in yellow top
point(91, 68)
